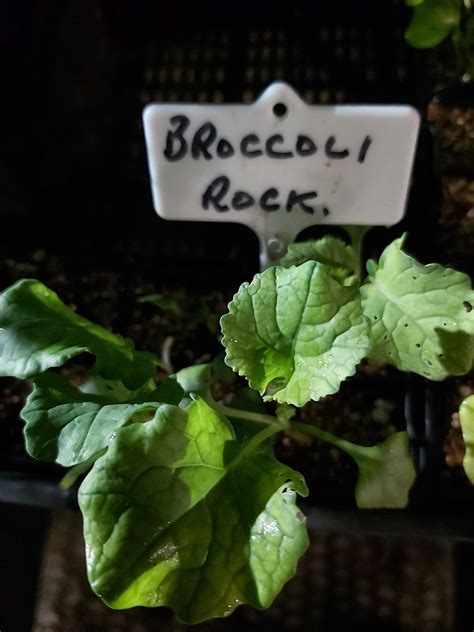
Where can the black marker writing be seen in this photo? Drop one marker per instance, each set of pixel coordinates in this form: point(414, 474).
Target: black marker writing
point(214, 194)
point(334, 153)
point(182, 124)
point(214, 198)
point(250, 139)
point(202, 140)
point(364, 149)
point(273, 153)
point(305, 146)
point(207, 143)
point(295, 198)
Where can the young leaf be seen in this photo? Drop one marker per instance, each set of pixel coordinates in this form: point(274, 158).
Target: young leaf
point(386, 470)
point(296, 332)
point(175, 515)
point(422, 316)
point(38, 332)
point(466, 417)
point(73, 473)
point(168, 391)
point(162, 301)
point(195, 379)
point(386, 473)
point(338, 257)
point(432, 22)
point(66, 425)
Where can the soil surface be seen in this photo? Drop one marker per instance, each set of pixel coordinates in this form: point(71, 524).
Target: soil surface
point(453, 132)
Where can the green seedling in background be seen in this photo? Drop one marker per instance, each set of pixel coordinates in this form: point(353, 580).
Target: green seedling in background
point(466, 418)
point(436, 21)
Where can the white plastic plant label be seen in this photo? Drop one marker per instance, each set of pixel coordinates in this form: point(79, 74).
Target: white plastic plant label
point(279, 165)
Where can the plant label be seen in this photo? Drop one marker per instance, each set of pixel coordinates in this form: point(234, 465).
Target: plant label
point(280, 165)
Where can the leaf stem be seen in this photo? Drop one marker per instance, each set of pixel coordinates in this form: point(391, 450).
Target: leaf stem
point(259, 418)
point(257, 439)
point(357, 234)
point(166, 354)
point(352, 449)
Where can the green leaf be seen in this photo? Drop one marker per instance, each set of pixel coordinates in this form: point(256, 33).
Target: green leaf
point(338, 257)
point(466, 417)
point(296, 332)
point(195, 379)
point(169, 391)
point(111, 389)
point(386, 473)
point(162, 301)
point(66, 425)
point(38, 332)
point(175, 515)
point(432, 22)
point(422, 316)
point(78, 470)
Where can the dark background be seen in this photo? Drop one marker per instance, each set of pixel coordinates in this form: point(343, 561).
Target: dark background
point(73, 171)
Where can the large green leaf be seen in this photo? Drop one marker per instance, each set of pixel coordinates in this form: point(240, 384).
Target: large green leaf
point(38, 332)
point(339, 258)
point(466, 417)
point(176, 515)
point(386, 473)
point(422, 316)
point(432, 22)
point(66, 425)
point(296, 333)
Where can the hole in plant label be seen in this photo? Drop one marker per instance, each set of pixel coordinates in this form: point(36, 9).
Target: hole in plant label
point(280, 110)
